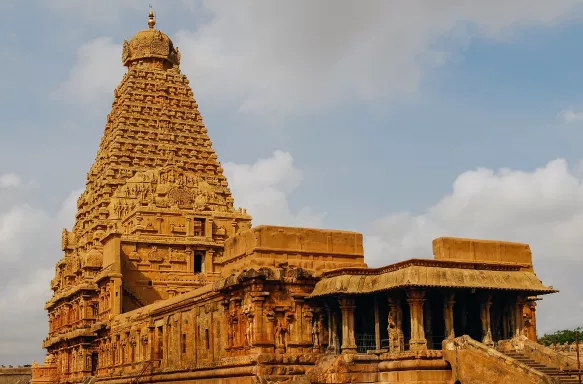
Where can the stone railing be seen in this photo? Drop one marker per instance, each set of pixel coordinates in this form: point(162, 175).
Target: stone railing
point(539, 353)
point(474, 362)
point(567, 348)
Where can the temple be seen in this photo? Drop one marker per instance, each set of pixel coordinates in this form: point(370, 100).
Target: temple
point(162, 279)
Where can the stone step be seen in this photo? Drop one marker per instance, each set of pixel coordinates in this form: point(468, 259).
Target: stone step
point(563, 377)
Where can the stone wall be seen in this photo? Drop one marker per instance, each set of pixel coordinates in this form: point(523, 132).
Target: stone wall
point(315, 249)
point(456, 249)
point(475, 363)
point(18, 375)
point(539, 353)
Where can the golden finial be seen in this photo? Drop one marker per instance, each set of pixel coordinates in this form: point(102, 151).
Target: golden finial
point(151, 20)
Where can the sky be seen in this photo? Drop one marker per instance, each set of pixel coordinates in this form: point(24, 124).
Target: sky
point(403, 120)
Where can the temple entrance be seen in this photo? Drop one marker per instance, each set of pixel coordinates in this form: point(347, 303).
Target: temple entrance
point(435, 327)
point(94, 363)
point(364, 324)
point(467, 315)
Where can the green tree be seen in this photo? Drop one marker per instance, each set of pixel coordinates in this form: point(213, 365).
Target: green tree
point(560, 337)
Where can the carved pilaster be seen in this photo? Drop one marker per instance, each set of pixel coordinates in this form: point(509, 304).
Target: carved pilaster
point(347, 308)
point(259, 319)
point(448, 304)
point(333, 342)
point(416, 298)
point(485, 320)
point(395, 327)
point(518, 316)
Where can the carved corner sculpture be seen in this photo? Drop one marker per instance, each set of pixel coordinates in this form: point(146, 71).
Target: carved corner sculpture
point(163, 280)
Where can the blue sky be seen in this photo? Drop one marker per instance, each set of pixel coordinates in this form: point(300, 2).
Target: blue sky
point(402, 120)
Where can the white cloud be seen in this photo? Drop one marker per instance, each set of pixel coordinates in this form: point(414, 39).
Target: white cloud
point(263, 189)
point(29, 248)
point(96, 73)
point(570, 115)
point(96, 12)
point(293, 57)
point(17, 227)
point(10, 180)
point(543, 208)
point(280, 58)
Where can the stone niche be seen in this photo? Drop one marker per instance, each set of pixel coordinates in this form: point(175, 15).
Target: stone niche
point(488, 251)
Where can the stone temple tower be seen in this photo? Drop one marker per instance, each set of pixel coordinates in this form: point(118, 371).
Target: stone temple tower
point(156, 208)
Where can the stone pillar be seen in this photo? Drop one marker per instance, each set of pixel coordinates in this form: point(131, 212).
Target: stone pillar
point(208, 261)
point(237, 322)
point(485, 319)
point(297, 326)
point(347, 307)
point(377, 325)
point(531, 326)
point(307, 323)
point(332, 330)
point(226, 329)
point(395, 327)
point(448, 314)
point(189, 231)
point(416, 298)
point(82, 309)
point(151, 354)
point(269, 333)
point(510, 318)
point(116, 296)
point(208, 228)
point(518, 319)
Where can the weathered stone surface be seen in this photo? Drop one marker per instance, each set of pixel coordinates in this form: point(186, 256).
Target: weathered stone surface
point(15, 375)
point(164, 280)
point(475, 363)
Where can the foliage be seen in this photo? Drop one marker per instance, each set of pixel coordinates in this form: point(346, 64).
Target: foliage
point(560, 337)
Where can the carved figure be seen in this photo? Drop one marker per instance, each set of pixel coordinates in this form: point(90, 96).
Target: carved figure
point(280, 334)
point(249, 333)
point(316, 333)
point(155, 255)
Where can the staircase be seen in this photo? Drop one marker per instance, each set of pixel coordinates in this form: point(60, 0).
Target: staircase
point(148, 365)
point(566, 377)
point(132, 294)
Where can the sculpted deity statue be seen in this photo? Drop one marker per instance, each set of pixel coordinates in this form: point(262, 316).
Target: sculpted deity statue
point(249, 333)
point(394, 334)
point(316, 333)
point(280, 331)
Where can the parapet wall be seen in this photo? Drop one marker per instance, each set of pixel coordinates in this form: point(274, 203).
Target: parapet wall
point(317, 249)
point(15, 375)
point(489, 251)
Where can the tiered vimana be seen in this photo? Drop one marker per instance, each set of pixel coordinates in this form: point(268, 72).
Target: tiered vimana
point(156, 209)
point(163, 280)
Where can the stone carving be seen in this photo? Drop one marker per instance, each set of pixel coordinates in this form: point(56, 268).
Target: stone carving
point(155, 255)
point(316, 333)
point(65, 239)
point(125, 53)
point(281, 331)
point(249, 331)
point(156, 193)
point(177, 256)
point(180, 197)
point(134, 255)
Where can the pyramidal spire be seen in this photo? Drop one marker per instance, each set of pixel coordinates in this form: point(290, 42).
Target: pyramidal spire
point(155, 153)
